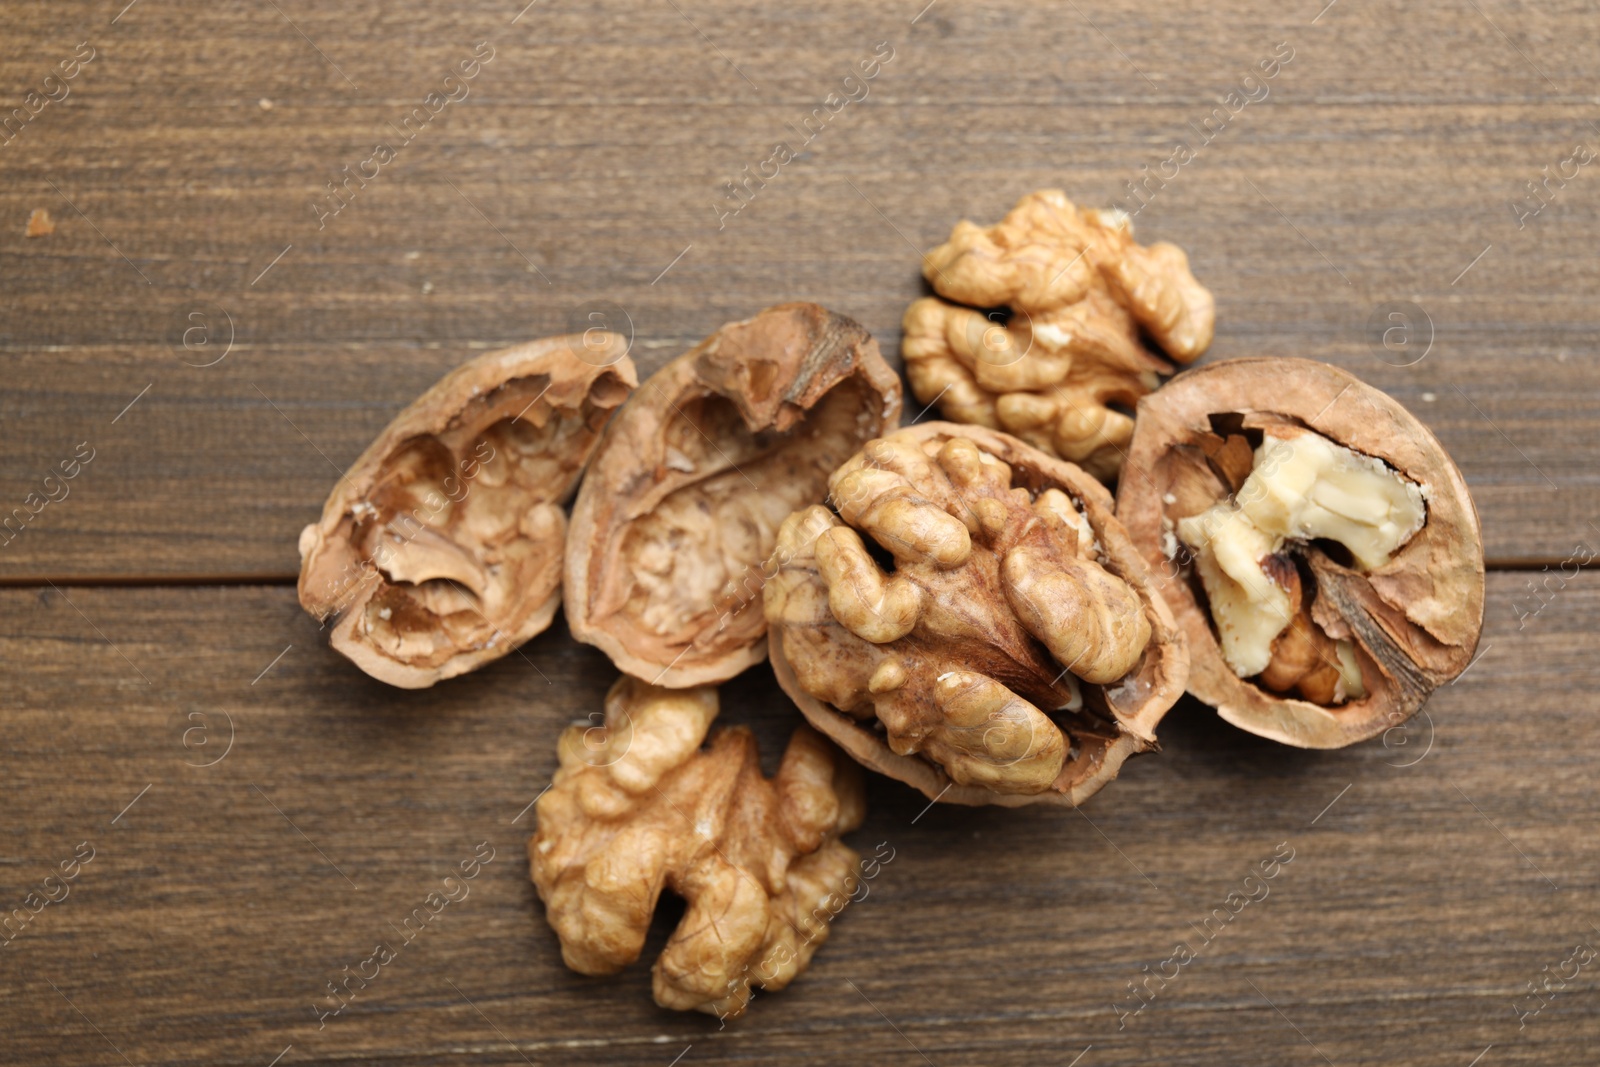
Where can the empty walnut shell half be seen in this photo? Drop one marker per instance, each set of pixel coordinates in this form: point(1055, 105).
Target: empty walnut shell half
point(680, 509)
point(1319, 548)
point(971, 619)
point(441, 547)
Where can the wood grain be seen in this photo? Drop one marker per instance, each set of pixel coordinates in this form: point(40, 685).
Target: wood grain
point(590, 152)
point(584, 173)
point(1413, 912)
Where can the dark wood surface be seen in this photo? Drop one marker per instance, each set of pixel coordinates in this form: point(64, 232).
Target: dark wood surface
point(1404, 929)
point(149, 616)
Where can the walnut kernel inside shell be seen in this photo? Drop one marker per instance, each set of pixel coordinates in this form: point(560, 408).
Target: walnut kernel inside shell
point(1318, 546)
point(970, 618)
point(1301, 488)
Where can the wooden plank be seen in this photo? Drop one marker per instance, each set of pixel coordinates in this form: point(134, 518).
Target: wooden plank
point(1383, 167)
point(591, 151)
point(1432, 877)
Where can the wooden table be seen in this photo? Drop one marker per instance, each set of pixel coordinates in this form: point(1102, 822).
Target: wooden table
point(221, 343)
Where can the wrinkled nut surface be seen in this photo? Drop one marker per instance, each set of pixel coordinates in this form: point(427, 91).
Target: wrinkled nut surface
point(441, 548)
point(1317, 545)
point(680, 509)
point(638, 806)
point(972, 620)
point(1081, 297)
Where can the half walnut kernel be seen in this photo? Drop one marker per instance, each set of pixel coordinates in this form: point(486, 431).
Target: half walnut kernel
point(680, 509)
point(972, 620)
point(1317, 545)
point(441, 547)
point(639, 806)
point(1064, 359)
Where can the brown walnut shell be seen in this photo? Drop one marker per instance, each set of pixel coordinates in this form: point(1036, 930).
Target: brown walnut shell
point(679, 511)
point(968, 625)
point(441, 547)
point(1414, 621)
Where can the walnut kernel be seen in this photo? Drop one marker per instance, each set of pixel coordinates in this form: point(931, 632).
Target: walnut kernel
point(638, 806)
point(972, 619)
point(1080, 298)
point(1301, 487)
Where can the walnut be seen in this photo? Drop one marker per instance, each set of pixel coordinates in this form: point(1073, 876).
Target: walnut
point(440, 549)
point(681, 506)
point(1317, 545)
point(638, 806)
point(972, 620)
point(1055, 367)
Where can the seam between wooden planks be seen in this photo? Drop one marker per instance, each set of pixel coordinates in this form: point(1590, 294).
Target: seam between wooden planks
point(158, 581)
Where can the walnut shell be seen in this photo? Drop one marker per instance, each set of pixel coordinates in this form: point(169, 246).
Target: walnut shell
point(1011, 580)
point(681, 506)
point(1414, 621)
point(639, 806)
point(1064, 364)
point(441, 547)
